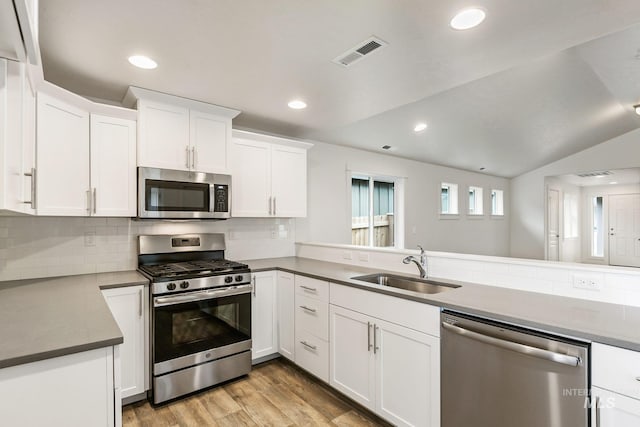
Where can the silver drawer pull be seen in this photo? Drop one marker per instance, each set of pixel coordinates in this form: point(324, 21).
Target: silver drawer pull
point(306, 288)
point(312, 347)
point(637, 378)
point(304, 307)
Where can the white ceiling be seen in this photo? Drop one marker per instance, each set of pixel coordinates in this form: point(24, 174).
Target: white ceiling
point(507, 95)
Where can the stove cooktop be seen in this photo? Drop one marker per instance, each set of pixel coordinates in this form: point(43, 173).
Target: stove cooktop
point(188, 269)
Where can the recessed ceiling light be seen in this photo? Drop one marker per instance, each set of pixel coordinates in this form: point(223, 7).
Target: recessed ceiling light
point(482, 168)
point(297, 104)
point(637, 108)
point(142, 61)
point(613, 182)
point(467, 18)
point(420, 127)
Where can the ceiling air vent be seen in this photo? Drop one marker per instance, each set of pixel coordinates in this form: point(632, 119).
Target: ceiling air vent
point(594, 174)
point(360, 51)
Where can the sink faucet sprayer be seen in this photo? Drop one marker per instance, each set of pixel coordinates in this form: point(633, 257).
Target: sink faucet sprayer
point(421, 264)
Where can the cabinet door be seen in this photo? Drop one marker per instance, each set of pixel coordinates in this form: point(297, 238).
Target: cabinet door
point(286, 315)
point(62, 158)
point(209, 137)
point(28, 145)
point(113, 166)
point(351, 360)
point(610, 409)
point(263, 315)
point(11, 181)
point(127, 306)
point(289, 181)
point(407, 375)
point(163, 136)
point(251, 177)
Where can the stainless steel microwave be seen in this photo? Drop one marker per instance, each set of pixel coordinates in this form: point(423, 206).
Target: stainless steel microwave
point(174, 194)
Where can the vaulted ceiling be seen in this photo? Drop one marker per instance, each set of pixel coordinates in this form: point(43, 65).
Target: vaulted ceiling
point(536, 81)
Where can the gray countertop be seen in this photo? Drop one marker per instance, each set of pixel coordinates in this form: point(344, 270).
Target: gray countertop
point(612, 324)
point(51, 317)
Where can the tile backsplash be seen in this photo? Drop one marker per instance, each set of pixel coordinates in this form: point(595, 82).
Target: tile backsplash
point(53, 246)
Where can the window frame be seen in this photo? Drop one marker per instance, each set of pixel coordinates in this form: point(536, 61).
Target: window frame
point(496, 215)
point(452, 197)
point(478, 201)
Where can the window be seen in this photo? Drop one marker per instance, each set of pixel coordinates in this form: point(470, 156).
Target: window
point(449, 199)
point(475, 201)
point(497, 202)
point(570, 213)
point(372, 212)
point(597, 223)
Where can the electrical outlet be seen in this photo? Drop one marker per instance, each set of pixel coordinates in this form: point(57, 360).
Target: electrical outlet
point(90, 238)
point(346, 255)
point(591, 282)
point(363, 256)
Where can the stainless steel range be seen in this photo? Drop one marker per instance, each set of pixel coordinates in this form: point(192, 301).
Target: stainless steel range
point(200, 315)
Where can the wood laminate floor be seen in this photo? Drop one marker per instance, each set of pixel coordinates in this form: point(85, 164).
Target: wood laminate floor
point(275, 393)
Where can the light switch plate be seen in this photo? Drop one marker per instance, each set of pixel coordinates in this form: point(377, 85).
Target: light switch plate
point(363, 256)
point(591, 282)
point(90, 238)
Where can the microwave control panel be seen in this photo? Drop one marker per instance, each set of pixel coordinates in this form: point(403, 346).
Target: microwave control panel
point(221, 195)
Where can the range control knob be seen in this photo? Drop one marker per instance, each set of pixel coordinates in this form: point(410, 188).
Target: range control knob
point(184, 285)
point(171, 286)
point(228, 279)
point(238, 278)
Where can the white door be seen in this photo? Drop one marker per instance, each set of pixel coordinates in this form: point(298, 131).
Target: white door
point(209, 137)
point(351, 360)
point(289, 181)
point(286, 315)
point(407, 376)
point(553, 225)
point(613, 410)
point(624, 230)
point(263, 315)
point(251, 177)
point(113, 166)
point(163, 132)
point(62, 154)
point(127, 306)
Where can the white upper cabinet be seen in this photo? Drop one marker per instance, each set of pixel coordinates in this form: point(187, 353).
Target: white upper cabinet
point(17, 139)
point(181, 134)
point(269, 176)
point(85, 157)
point(19, 31)
point(113, 166)
point(63, 187)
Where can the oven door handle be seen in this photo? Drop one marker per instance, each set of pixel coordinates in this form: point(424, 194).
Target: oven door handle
point(202, 295)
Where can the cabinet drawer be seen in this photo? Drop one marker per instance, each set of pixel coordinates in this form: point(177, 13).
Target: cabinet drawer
point(313, 288)
point(616, 369)
point(312, 354)
point(312, 316)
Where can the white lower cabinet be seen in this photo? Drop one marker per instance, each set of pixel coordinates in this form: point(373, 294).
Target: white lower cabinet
point(286, 315)
point(127, 305)
point(75, 390)
point(264, 325)
point(615, 395)
point(391, 369)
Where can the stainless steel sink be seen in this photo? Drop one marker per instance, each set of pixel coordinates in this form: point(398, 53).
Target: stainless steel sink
point(424, 286)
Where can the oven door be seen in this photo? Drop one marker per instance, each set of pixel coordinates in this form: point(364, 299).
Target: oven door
point(164, 193)
point(197, 327)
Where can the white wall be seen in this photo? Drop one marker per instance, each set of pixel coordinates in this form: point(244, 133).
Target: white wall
point(528, 193)
point(55, 246)
point(329, 202)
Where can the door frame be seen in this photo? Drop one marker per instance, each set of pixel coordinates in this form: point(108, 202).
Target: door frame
point(548, 188)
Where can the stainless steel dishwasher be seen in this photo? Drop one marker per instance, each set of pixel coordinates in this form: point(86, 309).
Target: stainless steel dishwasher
point(499, 375)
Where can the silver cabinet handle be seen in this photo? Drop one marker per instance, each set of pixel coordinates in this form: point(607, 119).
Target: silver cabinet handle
point(375, 339)
point(187, 150)
point(513, 346)
point(88, 201)
point(597, 411)
point(274, 206)
point(304, 307)
point(269, 205)
point(306, 288)
point(95, 201)
point(637, 378)
point(368, 336)
point(193, 157)
point(32, 174)
point(312, 347)
point(140, 303)
point(253, 280)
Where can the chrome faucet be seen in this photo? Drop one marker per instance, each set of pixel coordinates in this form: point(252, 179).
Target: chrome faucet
point(421, 264)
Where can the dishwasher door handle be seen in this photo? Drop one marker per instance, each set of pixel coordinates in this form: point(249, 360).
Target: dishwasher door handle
point(514, 346)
